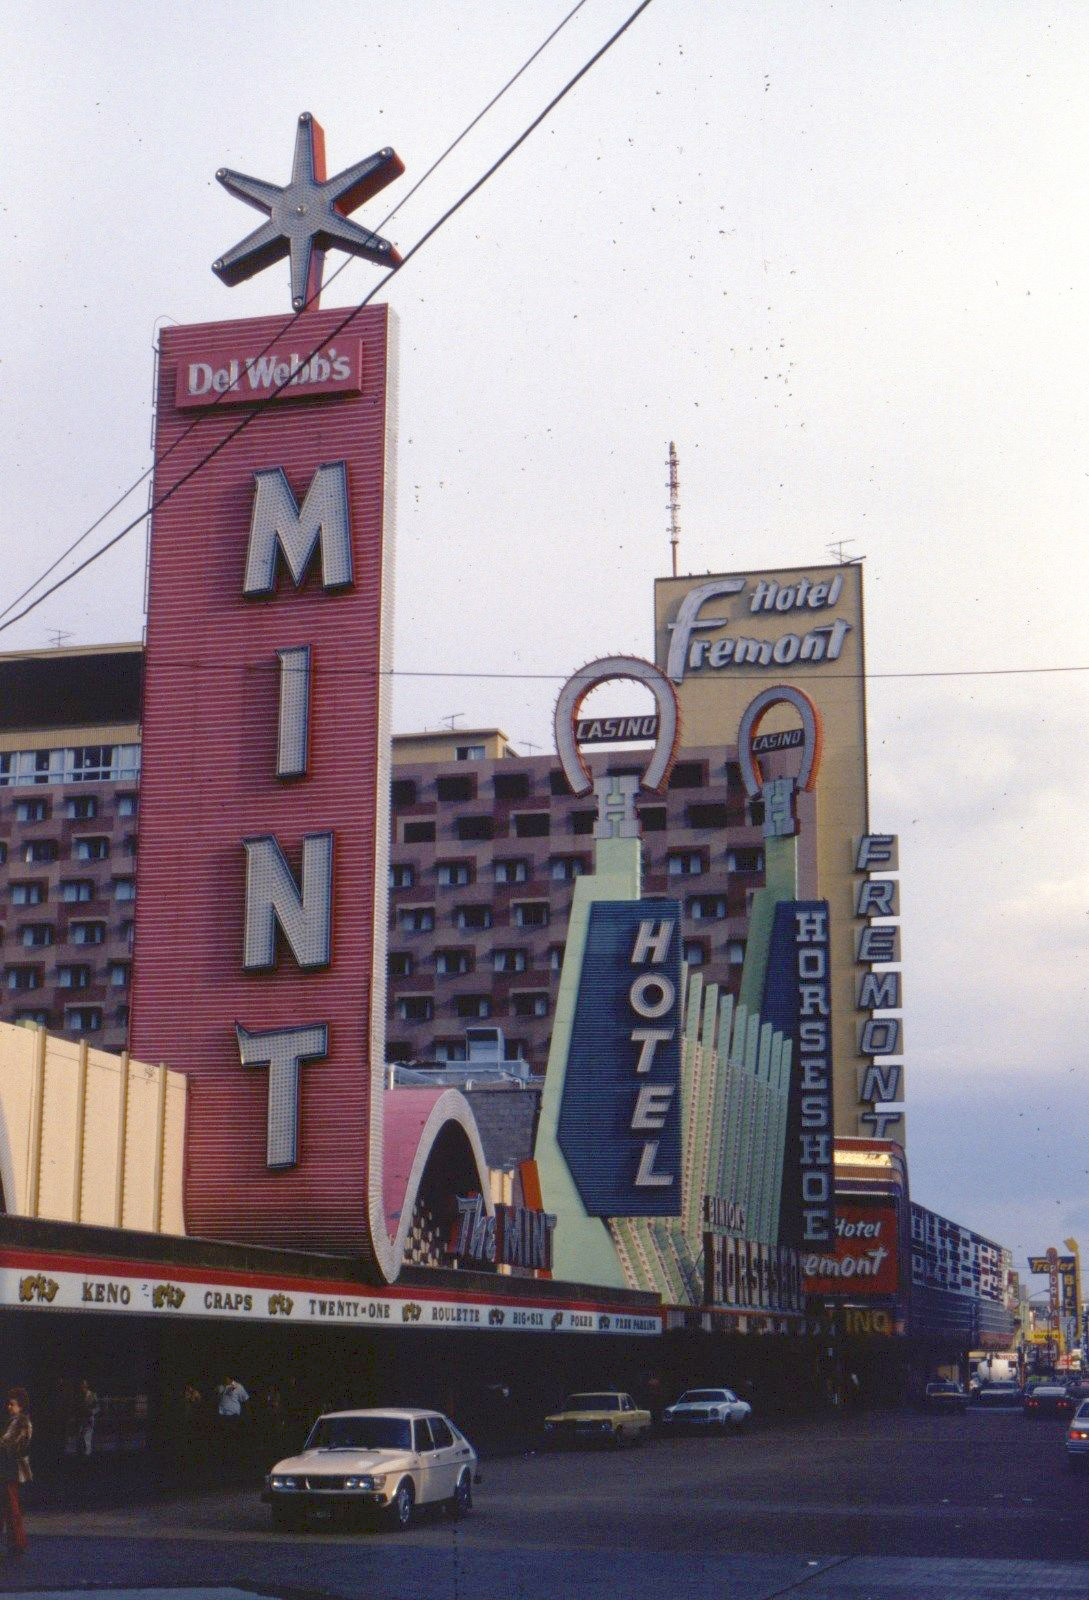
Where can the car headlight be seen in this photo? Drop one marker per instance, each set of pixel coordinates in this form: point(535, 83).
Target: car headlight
point(277, 1482)
point(606, 1427)
point(550, 1424)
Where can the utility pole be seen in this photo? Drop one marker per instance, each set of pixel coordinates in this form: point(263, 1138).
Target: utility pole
point(674, 503)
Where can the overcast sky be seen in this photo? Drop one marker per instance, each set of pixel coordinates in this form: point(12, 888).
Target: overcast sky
point(838, 252)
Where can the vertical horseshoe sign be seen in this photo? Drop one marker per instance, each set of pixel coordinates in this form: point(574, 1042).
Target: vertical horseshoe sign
point(778, 793)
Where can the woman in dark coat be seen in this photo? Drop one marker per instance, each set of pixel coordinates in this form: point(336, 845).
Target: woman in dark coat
point(15, 1468)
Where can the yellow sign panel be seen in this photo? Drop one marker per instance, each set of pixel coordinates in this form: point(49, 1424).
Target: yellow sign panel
point(722, 639)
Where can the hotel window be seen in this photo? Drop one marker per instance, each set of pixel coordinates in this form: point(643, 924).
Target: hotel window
point(126, 805)
point(475, 918)
point(418, 832)
point(564, 869)
point(685, 863)
point(511, 871)
point(119, 974)
point(77, 976)
point(125, 929)
point(711, 815)
point(3, 851)
point(474, 828)
point(36, 933)
point(82, 1019)
point(41, 850)
point(750, 860)
point(31, 810)
point(473, 1006)
point(27, 894)
point(402, 792)
point(583, 821)
point(532, 824)
point(511, 785)
point(93, 848)
point(529, 1004)
point(73, 891)
point(451, 1050)
point(707, 908)
point(39, 1017)
point(555, 958)
point(453, 963)
point(454, 874)
point(695, 952)
point(415, 1008)
point(83, 808)
point(87, 932)
point(416, 919)
point(398, 1050)
point(399, 964)
point(124, 888)
point(688, 775)
point(121, 1016)
point(401, 875)
point(23, 978)
point(653, 819)
point(531, 914)
point(511, 960)
point(456, 788)
point(735, 952)
point(469, 752)
point(557, 783)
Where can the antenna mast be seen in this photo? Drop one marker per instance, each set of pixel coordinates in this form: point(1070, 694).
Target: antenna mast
point(674, 503)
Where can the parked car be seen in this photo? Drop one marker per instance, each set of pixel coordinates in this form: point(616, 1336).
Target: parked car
point(996, 1396)
point(602, 1417)
point(944, 1395)
point(385, 1462)
point(704, 1409)
point(1077, 1437)
point(1048, 1400)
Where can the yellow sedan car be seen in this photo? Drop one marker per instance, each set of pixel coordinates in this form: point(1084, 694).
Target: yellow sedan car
point(607, 1417)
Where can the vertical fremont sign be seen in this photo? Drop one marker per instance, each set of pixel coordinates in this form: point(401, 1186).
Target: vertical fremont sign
point(259, 962)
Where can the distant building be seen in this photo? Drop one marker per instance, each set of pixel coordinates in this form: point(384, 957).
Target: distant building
point(485, 849)
point(69, 772)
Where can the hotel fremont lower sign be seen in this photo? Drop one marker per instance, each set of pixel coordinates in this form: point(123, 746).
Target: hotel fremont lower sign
point(259, 959)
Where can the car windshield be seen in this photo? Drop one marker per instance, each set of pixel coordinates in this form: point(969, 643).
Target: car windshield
point(695, 1396)
point(592, 1402)
point(1083, 1411)
point(359, 1433)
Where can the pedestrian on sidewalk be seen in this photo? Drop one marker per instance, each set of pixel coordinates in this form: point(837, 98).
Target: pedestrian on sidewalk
point(87, 1409)
point(15, 1468)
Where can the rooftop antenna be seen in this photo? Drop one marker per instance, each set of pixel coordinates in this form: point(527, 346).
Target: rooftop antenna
point(451, 719)
point(57, 636)
point(838, 548)
point(674, 503)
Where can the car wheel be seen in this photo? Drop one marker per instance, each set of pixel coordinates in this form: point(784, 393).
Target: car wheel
point(463, 1494)
point(742, 1423)
point(402, 1506)
point(287, 1518)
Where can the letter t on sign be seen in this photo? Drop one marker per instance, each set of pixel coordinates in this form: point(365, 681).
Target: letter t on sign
point(281, 1050)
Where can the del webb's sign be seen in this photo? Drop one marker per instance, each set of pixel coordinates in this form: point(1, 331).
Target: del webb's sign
point(262, 372)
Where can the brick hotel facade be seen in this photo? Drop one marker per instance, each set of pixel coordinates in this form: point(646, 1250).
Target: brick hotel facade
point(485, 848)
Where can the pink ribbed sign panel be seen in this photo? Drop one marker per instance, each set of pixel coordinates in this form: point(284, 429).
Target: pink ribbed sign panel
point(259, 960)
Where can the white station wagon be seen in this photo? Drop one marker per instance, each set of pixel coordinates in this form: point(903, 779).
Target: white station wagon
point(386, 1462)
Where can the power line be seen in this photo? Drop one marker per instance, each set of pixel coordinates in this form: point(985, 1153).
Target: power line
point(562, 677)
point(180, 440)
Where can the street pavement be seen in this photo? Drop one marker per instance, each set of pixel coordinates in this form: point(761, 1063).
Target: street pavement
point(888, 1505)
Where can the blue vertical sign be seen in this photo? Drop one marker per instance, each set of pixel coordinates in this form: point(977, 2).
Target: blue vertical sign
point(619, 1123)
point(798, 1001)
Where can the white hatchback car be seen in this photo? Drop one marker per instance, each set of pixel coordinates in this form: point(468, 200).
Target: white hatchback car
point(387, 1462)
point(705, 1409)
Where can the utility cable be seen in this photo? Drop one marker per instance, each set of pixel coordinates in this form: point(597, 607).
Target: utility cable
point(450, 148)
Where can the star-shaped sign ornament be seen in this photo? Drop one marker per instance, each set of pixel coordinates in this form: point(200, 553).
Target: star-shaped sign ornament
point(308, 216)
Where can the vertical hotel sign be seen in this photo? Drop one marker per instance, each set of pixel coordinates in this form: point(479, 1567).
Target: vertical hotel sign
point(259, 959)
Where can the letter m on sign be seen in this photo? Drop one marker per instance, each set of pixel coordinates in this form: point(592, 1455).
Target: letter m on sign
point(278, 526)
